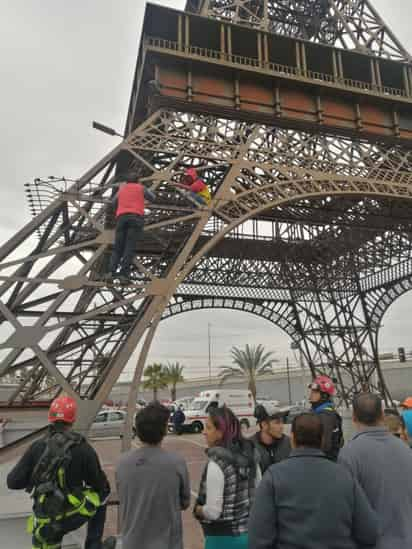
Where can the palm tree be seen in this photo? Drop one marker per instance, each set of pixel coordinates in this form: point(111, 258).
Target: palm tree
point(250, 363)
point(155, 378)
point(174, 372)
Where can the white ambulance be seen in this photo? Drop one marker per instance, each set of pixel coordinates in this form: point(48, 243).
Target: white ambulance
point(240, 402)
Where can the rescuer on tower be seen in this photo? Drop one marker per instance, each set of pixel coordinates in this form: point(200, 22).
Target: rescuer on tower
point(129, 206)
point(196, 187)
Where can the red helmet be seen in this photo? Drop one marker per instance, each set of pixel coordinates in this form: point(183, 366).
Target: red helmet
point(407, 403)
point(63, 408)
point(324, 384)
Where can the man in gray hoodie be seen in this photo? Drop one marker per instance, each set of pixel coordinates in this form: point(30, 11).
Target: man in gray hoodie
point(382, 464)
point(153, 487)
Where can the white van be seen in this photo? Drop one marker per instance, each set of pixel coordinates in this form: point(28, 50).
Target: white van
point(240, 402)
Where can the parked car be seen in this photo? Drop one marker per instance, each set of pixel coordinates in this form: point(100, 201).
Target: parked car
point(108, 423)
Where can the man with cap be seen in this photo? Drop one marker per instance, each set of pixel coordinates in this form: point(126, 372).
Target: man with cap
point(270, 441)
point(62, 473)
point(322, 390)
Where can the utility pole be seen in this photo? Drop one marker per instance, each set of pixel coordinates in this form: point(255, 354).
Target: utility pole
point(302, 366)
point(209, 339)
point(289, 387)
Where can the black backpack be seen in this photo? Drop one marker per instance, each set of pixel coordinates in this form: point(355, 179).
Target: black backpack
point(48, 482)
point(337, 439)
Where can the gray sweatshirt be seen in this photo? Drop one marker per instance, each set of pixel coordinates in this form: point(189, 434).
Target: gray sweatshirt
point(382, 464)
point(153, 487)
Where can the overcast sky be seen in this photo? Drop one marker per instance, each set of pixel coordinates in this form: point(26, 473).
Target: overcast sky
point(62, 65)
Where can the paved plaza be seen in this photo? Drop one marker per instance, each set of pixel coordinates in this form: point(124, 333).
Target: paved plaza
point(192, 448)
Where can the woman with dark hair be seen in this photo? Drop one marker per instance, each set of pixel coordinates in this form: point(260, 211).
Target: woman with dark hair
point(227, 488)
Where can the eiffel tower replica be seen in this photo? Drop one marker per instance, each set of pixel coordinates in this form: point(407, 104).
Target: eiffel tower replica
point(298, 116)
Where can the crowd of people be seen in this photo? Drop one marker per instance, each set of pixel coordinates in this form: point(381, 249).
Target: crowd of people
point(307, 491)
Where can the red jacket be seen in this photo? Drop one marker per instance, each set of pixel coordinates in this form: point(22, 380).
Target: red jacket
point(130, 199)
point(198, 186)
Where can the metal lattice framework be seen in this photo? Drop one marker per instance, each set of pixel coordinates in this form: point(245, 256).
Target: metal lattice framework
point(89, 330)
point(309, 229)
point(351, 24)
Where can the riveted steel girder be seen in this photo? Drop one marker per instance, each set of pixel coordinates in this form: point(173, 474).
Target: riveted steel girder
point(351, 24)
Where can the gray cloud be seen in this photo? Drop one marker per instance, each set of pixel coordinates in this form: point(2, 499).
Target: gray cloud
point(64, 64)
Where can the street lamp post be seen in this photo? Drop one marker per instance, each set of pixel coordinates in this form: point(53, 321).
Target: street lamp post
point(106, 129)
point(289, 387)
point(209, 339)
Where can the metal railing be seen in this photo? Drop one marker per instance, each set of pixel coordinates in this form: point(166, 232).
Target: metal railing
point(275, 68)
point(385, 276)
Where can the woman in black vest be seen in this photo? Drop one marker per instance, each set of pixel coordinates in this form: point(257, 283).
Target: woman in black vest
point(228, 482)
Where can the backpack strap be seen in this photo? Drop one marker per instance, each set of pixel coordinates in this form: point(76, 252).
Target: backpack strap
point(54, 458)
point(337, 434)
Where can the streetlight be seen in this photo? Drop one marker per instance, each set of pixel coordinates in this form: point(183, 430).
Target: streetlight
point(106, 129)
point(296, 347)
point(209, 339)
point(289, 387)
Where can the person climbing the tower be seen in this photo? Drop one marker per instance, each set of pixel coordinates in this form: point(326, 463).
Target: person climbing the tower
point(197, 189)
point(322, 390)
point(63, 475)
point(129, 204)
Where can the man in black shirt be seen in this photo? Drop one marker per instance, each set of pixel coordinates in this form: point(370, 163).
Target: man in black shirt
point(272, 444)
point(63, 474)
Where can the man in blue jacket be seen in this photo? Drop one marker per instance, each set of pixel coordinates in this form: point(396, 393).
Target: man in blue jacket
point(178, 420)
point(322, 390)
point(309, 502)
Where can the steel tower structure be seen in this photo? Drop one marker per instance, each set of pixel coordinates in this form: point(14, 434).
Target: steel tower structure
point(299, 117)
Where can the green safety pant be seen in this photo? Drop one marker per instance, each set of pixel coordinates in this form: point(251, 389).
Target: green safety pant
point(48, 533)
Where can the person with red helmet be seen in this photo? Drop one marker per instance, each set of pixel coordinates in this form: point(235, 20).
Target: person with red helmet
point(407, 414)
point(322, 391)
point(62, 473)
point(196, 187)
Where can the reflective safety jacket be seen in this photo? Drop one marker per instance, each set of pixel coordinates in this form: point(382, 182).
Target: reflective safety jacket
point(83, 470)
point(201, 189)
point(81, 485)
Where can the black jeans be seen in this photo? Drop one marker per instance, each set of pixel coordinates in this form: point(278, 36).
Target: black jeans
point(179, 428)
point(129, 228)
point(95, 529)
